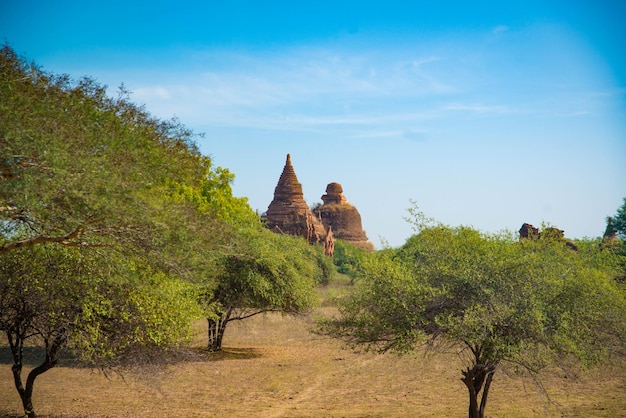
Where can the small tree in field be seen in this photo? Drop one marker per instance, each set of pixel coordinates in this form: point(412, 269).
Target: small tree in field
point(493, 298)
point(265, 272)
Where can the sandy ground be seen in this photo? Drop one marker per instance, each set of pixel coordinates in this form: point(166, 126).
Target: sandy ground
point(273, 367)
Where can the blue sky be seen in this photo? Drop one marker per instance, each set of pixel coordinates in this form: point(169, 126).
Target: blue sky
point(487, 114)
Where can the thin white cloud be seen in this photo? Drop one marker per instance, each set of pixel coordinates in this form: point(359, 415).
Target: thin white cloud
point(477, 108)
point(300, 77)
point(615, 92)
point(378, 134)
point(148, 93)
point(499, 29)
point(419, 63)
point(359, 93)
point(301, 90)
point(579, 113)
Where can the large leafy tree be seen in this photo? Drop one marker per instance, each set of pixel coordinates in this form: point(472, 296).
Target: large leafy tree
point(97, 250)
point(79, 168)
point(498, 300)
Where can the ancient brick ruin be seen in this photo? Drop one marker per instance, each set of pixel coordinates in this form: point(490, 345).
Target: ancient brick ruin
point(288, 213)
point(527, 231)
point(342, 217)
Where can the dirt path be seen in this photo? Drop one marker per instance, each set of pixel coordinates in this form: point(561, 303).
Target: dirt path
point(318, 386)
point(293, 402)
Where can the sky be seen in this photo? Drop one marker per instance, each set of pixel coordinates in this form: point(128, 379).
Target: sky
point(488, 114)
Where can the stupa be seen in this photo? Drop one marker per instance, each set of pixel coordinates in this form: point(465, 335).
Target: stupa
point(288, 213)
point(342, 217)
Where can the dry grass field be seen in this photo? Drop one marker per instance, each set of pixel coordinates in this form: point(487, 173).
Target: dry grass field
point(272, 366)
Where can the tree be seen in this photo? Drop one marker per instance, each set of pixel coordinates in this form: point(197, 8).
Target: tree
point(79, 168)
point(498, 300)
point(98, 254)
point(62, 299)
point(614, 239)
point(617, 224)
point(264, 272)
point(348, 258)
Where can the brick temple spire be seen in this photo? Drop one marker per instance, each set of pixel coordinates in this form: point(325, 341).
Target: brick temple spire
point(289, 213)
point(288, 187)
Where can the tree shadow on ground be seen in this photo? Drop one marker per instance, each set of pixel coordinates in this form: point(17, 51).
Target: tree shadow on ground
point(235, 353)
point(5, 414)
point(33, 356)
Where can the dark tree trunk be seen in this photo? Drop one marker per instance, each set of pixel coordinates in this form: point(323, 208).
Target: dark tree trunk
point(216, 330)
point(474, 378)
point(16, 342)
point(27, 393)
point(483, 402)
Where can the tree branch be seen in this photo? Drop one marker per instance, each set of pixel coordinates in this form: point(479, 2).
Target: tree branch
point(69, 239)
point(249, 315)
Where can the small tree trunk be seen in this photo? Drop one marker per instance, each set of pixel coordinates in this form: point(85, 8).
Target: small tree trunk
point(216, 330)
point(27, 398)
point(483, 401)
point(16, 342)
point(473, 411)
point(27, 395)
point(474, 378)
point(26, 392)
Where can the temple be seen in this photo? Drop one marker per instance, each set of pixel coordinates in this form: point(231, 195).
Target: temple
point(342, 217)
point(288, 213)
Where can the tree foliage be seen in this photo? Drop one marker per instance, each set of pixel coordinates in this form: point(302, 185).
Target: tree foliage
point(348, 258)
point(98, 255)
point(264, 272)
point(77, 165)
point(614, 239)
point(617, 224)
point(496, 299)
